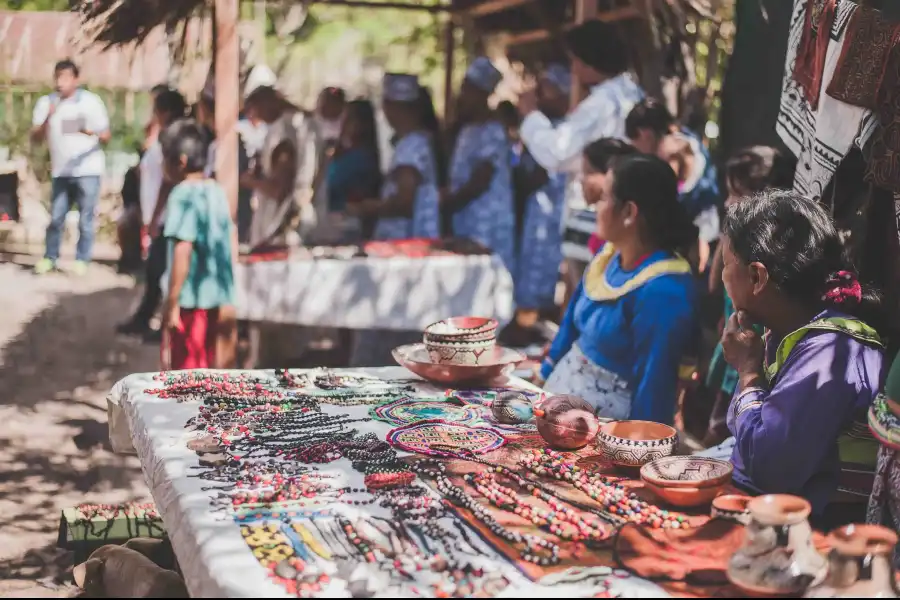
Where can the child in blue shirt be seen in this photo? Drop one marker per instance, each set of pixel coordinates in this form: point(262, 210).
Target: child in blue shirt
point(199, 232)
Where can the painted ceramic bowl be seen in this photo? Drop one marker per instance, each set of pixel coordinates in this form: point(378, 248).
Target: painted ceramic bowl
point(731, 507)
point(566, 422)
point(635, 443)
point(415, 358)
point(684, 496)
point(457, 329)
point(460, 353)
point(687, 472)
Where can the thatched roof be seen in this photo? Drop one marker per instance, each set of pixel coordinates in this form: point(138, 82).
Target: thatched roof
point(119, 22)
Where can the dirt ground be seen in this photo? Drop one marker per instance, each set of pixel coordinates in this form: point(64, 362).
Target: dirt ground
point(59, 356)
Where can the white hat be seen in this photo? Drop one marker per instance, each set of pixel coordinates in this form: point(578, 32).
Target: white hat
point(483, 74)
point(559, 76)
point(259, 76)
point(400, 87)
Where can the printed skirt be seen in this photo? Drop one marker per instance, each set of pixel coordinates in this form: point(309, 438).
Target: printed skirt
point(577, 375)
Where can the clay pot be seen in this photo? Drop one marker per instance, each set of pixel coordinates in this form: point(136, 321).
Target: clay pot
point(512, 408)
point(566, 422)
point(859, 565)
point(635, 443)
point(778, 556)
point(462, 329)
point(461, 353)
point(415, 358)
point(686, 480)
point(731, 507)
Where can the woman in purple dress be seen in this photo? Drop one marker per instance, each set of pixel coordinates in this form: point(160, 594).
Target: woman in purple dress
point(804, 388)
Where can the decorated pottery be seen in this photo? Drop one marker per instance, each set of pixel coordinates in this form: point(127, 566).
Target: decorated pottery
point(778, 556)
point(686, 480)
point(462, 329)
point(635, 443)
point(460, 353)
point(566, 422)
point(512, 408)
point(859, 565)
point(416, 359)
point(731, 507)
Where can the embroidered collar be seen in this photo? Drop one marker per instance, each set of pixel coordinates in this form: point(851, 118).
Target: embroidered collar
point(598, 288)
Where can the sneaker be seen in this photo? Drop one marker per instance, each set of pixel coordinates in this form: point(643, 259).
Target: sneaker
point(80, 268)
point(44, 266)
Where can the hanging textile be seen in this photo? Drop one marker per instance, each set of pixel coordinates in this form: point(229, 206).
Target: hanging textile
point(810, 62)
point(883, 152)
point(820, 137)
point(862, 67)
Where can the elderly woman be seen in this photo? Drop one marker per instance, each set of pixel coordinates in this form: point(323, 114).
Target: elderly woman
point(481, 191)
point(804, 388)
point(633, 315)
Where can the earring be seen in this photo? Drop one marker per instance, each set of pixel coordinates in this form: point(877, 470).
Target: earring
point(627, 222)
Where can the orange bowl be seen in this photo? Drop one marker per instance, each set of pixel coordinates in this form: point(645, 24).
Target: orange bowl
point(687, 472)
point(685, 496)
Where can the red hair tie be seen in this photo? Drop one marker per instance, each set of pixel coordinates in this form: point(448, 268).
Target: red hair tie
point(841, 287)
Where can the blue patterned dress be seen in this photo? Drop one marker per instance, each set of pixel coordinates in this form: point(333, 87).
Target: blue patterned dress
point(489, 219)
point(413, 150)
point(541, 250)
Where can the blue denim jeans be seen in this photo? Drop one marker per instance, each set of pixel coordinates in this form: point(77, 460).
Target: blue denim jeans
point(66, 192)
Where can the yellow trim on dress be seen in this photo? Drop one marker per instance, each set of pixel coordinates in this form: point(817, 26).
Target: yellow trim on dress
point(597, 288)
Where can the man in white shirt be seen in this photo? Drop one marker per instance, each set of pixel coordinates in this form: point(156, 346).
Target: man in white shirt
point(75, 125)
point(600, 63)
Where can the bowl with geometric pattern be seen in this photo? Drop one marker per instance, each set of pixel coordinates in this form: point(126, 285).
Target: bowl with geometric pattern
point(635, 443)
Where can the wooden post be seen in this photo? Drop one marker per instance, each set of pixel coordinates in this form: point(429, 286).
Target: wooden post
point(227, 75)
point(449, 58)
point(227, 57)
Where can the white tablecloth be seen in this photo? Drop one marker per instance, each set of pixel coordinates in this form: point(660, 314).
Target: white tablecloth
point(397, 293)
point(213, 556)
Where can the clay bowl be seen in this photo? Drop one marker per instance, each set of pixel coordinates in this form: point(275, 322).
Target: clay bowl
point(862, 540)
point(460, 353)
point(415, 358)
point(684, 496)
point(635, 443)
point(775, 510)
point(687, 472)
point(731, 507)
point(462, 329)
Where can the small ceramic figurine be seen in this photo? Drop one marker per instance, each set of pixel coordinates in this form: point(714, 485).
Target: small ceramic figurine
point(512, 408)
point(778, 556)
point(859, 565)
point(566, 422)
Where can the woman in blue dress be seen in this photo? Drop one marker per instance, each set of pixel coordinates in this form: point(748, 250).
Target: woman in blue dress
point(481, 192)
point(540, 254)
point(409, 203)
point(634, 313)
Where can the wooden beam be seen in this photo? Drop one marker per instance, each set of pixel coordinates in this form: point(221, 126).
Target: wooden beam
point(537, 35)
point(449, 59)
point(432, 8)
point(489, 7)
point(227, 74)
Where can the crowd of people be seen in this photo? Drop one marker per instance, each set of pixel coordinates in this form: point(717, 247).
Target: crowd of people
point(613, 195)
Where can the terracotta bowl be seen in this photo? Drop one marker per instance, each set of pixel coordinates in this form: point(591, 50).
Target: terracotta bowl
point(415, 358)
point(460, 353)
point(687, 472)
point(462, 329)
point(731, 507)
point(635, 443)
point(779, 509)
point(684, 496)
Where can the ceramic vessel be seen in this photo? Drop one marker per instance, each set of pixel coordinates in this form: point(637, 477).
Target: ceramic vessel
point(687, 472)
point(415, 358)
point(512, 408)
point(778, 556)
point(461, 353)
point(859, 565)
point(635, 443)
point(462, 328)
point(566, 422)
point(686, 480)
point(731, 507)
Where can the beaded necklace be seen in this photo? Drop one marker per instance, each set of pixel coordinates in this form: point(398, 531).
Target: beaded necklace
point(536, 550)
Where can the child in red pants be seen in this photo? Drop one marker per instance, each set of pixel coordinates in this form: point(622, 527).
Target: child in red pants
point(199, 233)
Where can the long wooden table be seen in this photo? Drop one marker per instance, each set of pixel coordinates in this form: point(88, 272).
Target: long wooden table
point(211, 543)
